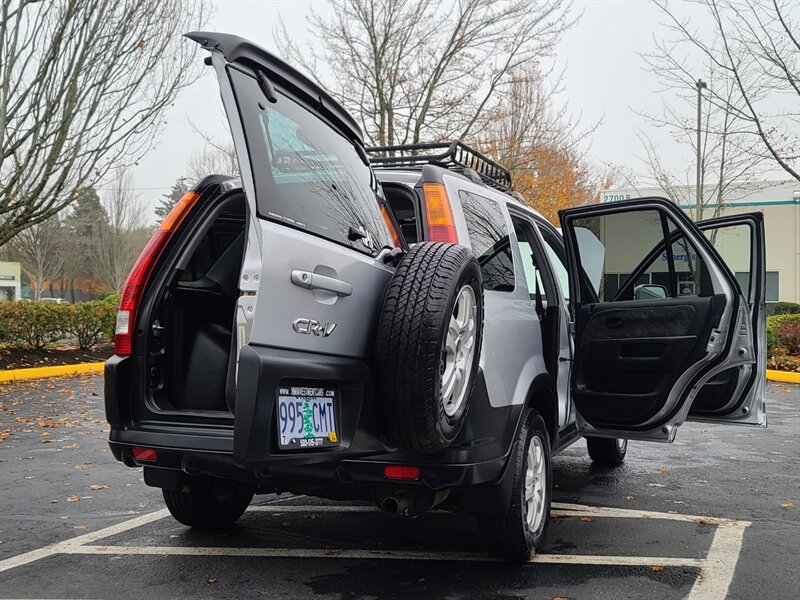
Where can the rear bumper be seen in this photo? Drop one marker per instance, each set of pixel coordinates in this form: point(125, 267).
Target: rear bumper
point(245, 448)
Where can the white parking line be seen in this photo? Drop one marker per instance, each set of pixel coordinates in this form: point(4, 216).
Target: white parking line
point(561, 559)
point(87, 538)
point(713, 582)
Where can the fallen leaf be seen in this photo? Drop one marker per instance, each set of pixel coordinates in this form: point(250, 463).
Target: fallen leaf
point(585, 519)
point(87, 465)
point(787, 505)
point(657, 568)
point(211, 580)
point(662, 469)
point(98, 486)
point(73, 498)
point(704, 521)
point(628, 497)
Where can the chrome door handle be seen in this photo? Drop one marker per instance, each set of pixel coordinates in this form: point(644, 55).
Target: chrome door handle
point(315, 281)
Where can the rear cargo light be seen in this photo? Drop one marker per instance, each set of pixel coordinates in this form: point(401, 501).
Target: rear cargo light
point(145, 454)
point(387, 218)
point(439, 214)
point(398, 472)
point(134, 286)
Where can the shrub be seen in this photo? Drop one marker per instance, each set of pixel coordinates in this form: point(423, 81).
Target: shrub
point(91, 321)
point(787, 308)
point(787, 333)
point(34, 324)
point(37, 324)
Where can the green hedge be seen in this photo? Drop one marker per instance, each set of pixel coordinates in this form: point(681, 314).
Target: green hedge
point(38, 324)
point(787, 308)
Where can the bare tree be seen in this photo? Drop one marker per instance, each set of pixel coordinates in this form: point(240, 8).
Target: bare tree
point(214, 158)
point(409, 70)
point(84, 84)
point(119, 242)
point(40, 252)
point(755, 45)
point(729, 155)
point(542, 145)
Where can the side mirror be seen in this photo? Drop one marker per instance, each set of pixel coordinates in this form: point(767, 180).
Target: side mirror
point(649, 292)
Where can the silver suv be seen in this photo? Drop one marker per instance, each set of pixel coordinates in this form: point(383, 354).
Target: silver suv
point(393, 325)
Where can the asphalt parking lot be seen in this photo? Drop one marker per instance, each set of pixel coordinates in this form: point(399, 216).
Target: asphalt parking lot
point(716, 511)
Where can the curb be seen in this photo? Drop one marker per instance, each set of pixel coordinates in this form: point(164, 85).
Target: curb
point(784, 376)
point(40, 372)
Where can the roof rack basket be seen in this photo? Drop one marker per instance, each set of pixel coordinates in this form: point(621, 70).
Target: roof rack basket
point(451, 155)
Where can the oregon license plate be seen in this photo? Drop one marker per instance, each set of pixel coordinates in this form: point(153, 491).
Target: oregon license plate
point(306, 417)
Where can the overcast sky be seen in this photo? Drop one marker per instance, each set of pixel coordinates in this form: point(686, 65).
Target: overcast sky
point(605, 79)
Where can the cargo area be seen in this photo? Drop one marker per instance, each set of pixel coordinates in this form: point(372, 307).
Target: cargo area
point(190, 343)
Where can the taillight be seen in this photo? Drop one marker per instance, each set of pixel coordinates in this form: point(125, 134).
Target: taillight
point(134, 286)
point(439, 214)
point(387, 218)
point(144, 454)
point(401, 472)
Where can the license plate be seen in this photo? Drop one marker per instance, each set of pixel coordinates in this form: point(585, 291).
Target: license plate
point(306, 417)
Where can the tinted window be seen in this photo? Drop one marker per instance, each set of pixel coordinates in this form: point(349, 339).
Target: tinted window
point(306, 174)
point(625, 257)
point(488, 237)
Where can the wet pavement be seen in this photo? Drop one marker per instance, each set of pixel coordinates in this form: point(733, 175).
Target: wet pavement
point(718, 506)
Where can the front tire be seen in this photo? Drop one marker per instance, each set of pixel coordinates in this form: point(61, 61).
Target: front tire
point(607, 452)
point(208, 504)
point(516, 535)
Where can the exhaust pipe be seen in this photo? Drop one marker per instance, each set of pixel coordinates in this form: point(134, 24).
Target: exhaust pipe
point(396, 504)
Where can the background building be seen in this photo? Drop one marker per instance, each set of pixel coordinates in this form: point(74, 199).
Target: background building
point(778, 201)
point(10, 281)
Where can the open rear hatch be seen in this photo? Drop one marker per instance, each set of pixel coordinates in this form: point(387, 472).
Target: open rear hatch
point(313, 272)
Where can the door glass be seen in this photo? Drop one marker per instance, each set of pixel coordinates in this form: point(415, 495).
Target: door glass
point(488, 237)
point(530, 264)
point(734, 246)
point(559, 267)
point(307, 175)
point(631, 260)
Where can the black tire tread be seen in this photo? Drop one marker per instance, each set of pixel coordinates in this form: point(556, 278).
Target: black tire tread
point(504, 534)
point(604, 452)
point(200, 507)
point(409, 339)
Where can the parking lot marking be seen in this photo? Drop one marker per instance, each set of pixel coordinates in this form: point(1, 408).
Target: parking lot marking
point(717, 575)
point(87, 538)
point(713, 581)
point(575, 559)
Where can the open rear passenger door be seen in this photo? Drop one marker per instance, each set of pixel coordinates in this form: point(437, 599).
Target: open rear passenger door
point(664, 323)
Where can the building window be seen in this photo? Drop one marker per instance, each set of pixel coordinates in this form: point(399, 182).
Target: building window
point(773, 284)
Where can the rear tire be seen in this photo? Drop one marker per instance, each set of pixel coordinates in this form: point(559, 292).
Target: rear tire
point(516, 535)
point(607, 452)
point(428, 346)
point(208, 504)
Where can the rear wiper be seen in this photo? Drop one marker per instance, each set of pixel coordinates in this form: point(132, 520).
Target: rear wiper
point(266, 87)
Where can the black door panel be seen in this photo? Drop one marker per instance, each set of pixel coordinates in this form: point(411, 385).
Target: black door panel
point(631, 354)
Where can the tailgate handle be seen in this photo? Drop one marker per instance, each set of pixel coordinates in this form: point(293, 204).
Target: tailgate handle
point(315, 281)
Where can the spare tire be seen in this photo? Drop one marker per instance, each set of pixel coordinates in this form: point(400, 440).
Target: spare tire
point(428, 346)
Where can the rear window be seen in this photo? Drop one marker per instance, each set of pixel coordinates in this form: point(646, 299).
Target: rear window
point(488, 237)
point(306, 174)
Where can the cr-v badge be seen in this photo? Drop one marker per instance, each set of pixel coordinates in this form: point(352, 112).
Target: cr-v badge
point(311, 326)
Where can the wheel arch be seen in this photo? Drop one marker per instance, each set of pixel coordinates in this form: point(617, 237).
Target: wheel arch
point(542, 398)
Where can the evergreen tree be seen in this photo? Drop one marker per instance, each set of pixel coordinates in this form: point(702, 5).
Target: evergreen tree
point(81, 237)
point(179, 188)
